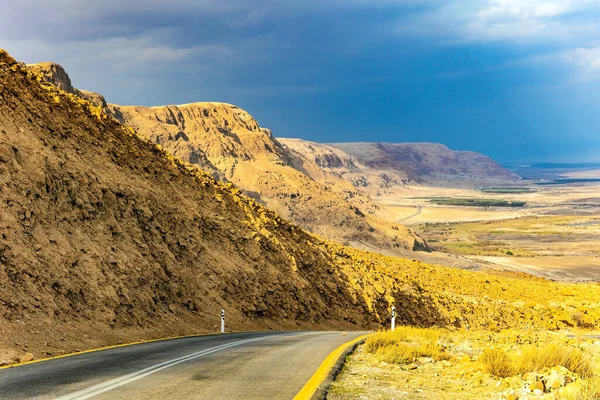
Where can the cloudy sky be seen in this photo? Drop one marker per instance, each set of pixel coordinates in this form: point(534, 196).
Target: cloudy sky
point(518, 80)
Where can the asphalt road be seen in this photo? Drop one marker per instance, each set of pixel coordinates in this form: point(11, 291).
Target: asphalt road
point(266, 365)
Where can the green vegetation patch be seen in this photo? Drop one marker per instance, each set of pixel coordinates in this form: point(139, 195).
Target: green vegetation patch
point(508, 190)
point(453, 201)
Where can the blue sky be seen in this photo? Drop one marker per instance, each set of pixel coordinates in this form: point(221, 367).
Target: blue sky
point(517, 80)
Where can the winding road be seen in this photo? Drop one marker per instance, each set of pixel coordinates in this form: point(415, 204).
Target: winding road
point(257, 365)
point(419, 209)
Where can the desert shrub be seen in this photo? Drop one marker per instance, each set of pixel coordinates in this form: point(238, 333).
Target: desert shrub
point(401, 353)
point(535, 359)
point(381, 339)
point(497, 362)
point(579, 318)
point(589, 389)
point(405, 345)
point(433, 350)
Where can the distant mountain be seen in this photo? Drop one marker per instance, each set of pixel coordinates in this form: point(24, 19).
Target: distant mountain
point(336, 161)
point(429, 163)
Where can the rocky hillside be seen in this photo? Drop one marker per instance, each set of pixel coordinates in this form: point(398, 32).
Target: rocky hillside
point(227, 141)
point(335, 161)
point(429, 163)
point(104, 237)
point(103, 230)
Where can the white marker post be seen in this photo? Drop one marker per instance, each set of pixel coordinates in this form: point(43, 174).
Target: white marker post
point(222, 321)
point(393, 318)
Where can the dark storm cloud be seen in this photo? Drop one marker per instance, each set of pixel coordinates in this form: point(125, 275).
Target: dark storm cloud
point(498, 76)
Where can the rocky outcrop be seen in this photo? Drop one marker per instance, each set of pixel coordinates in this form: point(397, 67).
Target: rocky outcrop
point(56, 74)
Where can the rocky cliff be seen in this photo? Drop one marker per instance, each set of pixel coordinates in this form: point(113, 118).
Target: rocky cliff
point(100, 230)
point(333, 160)
point(56, 74)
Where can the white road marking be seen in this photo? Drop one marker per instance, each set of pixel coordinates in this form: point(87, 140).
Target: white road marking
point(134, 376)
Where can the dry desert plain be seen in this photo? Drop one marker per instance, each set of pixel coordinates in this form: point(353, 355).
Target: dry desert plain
point(556, 234)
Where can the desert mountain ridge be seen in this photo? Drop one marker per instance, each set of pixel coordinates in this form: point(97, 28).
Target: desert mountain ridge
point(105, 237)
point(323, 194)
point(402, 163)
point(228, 142)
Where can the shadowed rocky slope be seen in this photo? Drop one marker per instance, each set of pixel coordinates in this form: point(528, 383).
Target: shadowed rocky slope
point(99, 227)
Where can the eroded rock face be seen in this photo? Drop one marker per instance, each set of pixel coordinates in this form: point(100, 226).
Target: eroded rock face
point(99, 225)
point(347, 167)
point(225, 139)
point(56, 75)
point(6, 58)
point(228, 142)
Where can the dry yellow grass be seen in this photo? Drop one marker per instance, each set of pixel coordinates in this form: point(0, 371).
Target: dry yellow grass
point(497, 362)
point(533, 359)
point(480, 365)
point(587, 390)
point(405, 345)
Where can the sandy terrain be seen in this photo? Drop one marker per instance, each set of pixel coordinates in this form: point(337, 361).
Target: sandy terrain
point(595, 173)
point(578, 268)
point(556, 234)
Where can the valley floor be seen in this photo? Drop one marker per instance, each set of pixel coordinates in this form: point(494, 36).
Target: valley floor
point(556, 234)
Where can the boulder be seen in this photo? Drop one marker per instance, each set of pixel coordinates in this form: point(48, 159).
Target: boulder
point(25, 358)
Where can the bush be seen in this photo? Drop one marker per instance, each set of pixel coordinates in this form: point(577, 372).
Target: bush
point(589, 389)
point(497, 362)
point(405, 345)
point(535, 359)
point(381, 339)
point(398, 354)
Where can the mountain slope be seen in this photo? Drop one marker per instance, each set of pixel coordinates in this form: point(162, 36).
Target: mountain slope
point(222, 137)
point(101, 228)
point(227, 142)
point(429, 163)
point(335, 161)
point(106, 238)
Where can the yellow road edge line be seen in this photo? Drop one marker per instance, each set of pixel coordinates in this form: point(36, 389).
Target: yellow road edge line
point(107, 348)
point(310, 388)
